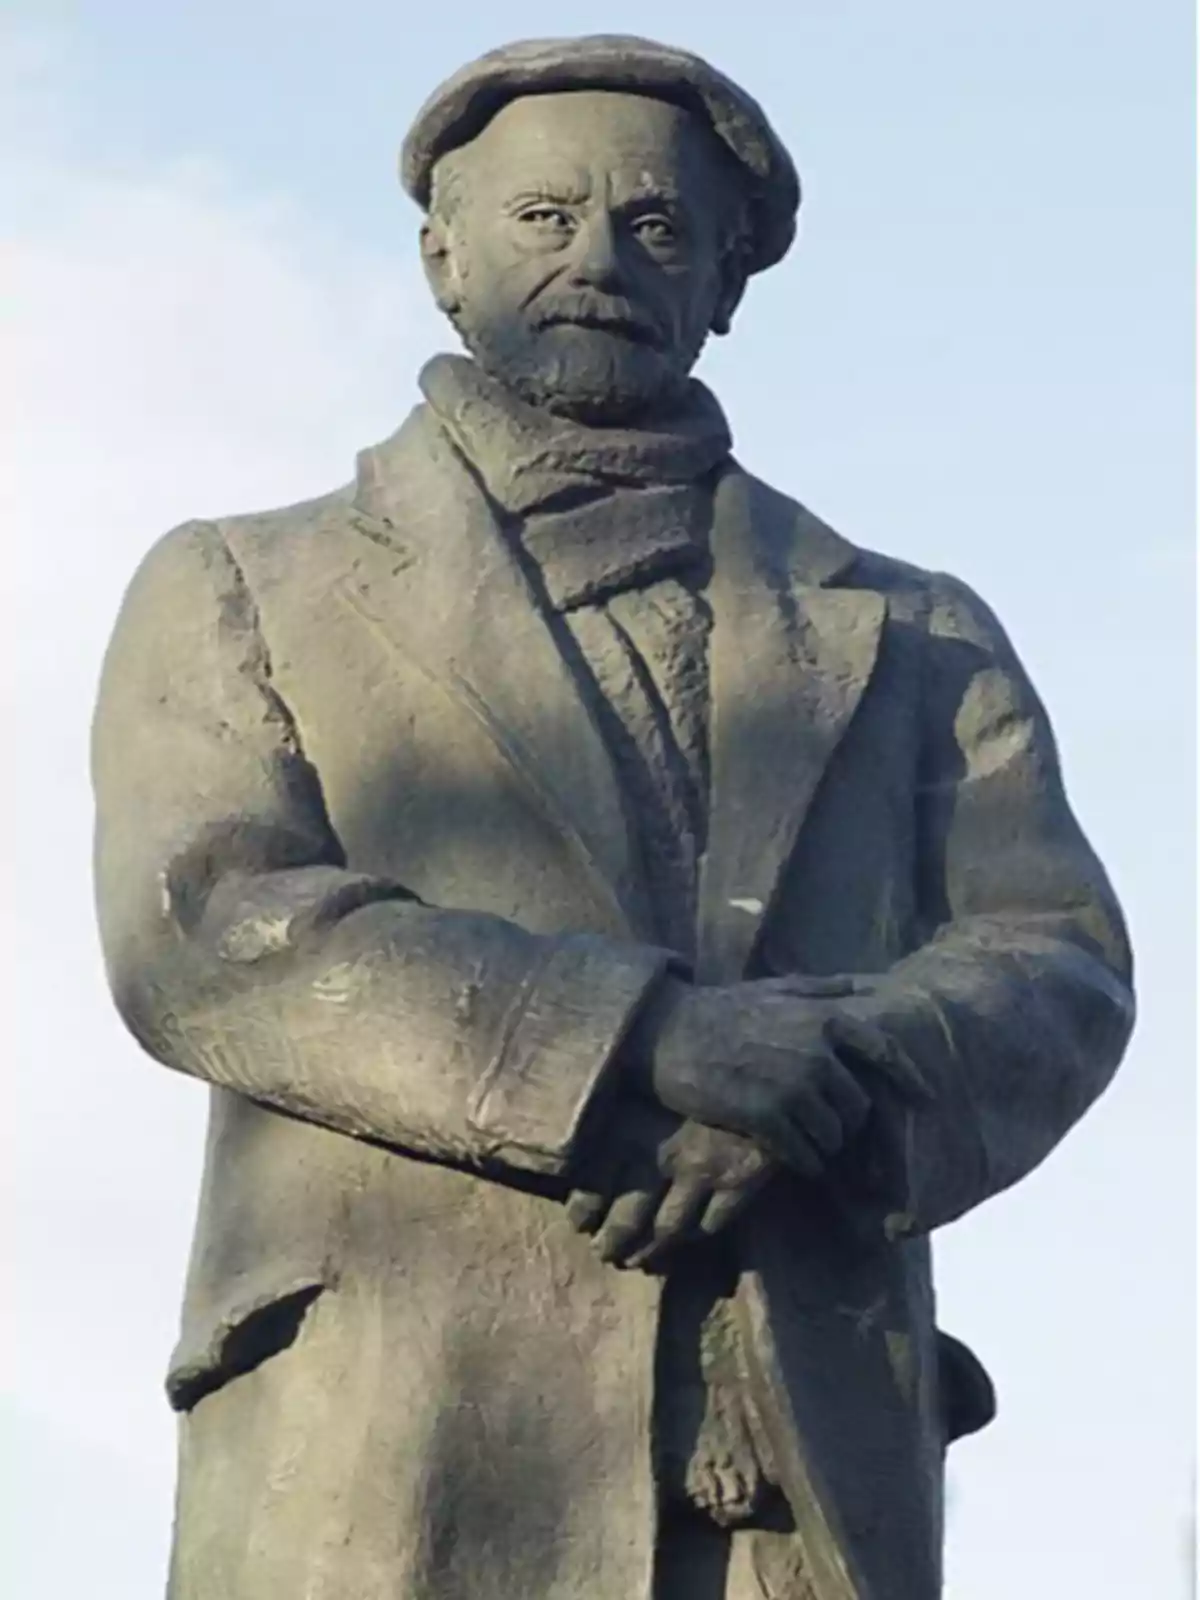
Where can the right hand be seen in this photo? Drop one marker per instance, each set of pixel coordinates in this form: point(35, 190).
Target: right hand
point(653, 1182)
point(773, 1061)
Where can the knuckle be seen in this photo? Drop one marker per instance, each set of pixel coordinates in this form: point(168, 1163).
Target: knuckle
point(615, 1242)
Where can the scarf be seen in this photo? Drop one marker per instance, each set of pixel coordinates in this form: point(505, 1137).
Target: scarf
point(601, 509)
point(529, 457)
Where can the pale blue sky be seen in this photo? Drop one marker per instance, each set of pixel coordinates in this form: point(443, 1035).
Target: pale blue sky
point(978, 357)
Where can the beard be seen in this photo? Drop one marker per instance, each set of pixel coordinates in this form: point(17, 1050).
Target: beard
point(597, 376)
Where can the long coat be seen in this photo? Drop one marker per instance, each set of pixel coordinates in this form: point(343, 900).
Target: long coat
point(363, 866)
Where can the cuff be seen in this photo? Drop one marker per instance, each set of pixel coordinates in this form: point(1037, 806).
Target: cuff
point(557, 1047)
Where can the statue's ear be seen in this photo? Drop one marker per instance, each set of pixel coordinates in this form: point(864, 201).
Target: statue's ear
point(441, 269)
point(733, 286)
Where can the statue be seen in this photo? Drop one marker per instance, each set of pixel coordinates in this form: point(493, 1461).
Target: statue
point(618, 918)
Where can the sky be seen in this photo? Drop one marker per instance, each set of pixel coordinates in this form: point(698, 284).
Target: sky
point(978, 357)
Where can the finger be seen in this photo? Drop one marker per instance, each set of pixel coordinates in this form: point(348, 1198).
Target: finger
point(628, 1225)
point(586, 1210)
point(840, 1088)
point(789, 1141)
point(677, 1215)
point(725, 1207)
point(872, 1044)
point(822, 1118)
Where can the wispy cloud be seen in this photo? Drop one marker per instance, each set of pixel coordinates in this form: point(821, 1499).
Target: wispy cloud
point(175, 346)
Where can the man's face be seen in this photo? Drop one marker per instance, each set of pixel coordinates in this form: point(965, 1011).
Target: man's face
point(584, 256)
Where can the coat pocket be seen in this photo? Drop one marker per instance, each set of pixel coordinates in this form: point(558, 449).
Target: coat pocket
point(256, 1321)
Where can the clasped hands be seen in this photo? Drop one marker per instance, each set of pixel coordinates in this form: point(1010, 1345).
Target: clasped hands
point(722, 1087)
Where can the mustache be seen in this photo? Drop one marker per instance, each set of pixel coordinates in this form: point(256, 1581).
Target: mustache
point(605, 315)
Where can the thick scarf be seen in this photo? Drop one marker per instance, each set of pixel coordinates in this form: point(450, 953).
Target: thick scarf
point(601, 509)
point(530, 457)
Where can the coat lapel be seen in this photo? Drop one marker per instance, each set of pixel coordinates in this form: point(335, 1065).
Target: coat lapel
point(790, 660)
point(436, 577)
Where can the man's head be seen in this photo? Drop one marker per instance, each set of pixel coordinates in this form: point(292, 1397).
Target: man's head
point(586, 233)
point(584, 245)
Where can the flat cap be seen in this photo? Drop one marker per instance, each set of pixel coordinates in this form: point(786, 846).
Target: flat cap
point(463, 106)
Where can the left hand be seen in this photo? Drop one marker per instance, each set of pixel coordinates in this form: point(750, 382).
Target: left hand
point(658, 1181)
point(788, 1063)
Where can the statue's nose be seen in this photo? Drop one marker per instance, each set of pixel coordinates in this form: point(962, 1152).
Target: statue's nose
point(596, 262)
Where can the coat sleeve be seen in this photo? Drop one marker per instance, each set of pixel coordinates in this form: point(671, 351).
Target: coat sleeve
point(1017, 1007)
point(242, 949)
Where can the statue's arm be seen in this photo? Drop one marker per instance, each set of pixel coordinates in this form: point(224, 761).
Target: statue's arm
point(1019, 1005)
point(242, 950)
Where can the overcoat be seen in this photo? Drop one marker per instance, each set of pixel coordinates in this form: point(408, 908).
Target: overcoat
point(363, 865)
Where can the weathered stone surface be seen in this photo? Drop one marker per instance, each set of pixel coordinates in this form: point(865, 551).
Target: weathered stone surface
point(619, 920)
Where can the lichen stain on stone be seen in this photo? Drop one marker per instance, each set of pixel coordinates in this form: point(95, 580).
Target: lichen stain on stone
point(898, 1225)
point(902, 1362)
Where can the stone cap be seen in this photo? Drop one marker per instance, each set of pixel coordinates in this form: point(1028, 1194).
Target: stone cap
point(463, 106)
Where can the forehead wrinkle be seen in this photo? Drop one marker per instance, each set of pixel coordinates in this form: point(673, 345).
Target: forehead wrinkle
point(571, 187)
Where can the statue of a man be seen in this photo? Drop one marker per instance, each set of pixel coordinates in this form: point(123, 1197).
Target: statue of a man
point(618, 918)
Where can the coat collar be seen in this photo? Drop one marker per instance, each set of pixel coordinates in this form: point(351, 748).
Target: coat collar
point(441, 582)
point(791, 654)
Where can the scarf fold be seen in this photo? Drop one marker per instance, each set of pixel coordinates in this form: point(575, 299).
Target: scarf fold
point(600, 510)
point(530, 458)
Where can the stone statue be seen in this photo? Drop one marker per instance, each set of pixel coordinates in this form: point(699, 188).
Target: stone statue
point(618, 919)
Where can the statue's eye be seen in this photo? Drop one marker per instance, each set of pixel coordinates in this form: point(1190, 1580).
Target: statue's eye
point(552, 219)
point(654, 229)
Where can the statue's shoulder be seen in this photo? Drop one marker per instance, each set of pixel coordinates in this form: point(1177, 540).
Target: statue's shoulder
point(941, 605)
point(194, 561)
point(799, 537)
point(401, 454)
point(389, 479)
point(281, 528)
